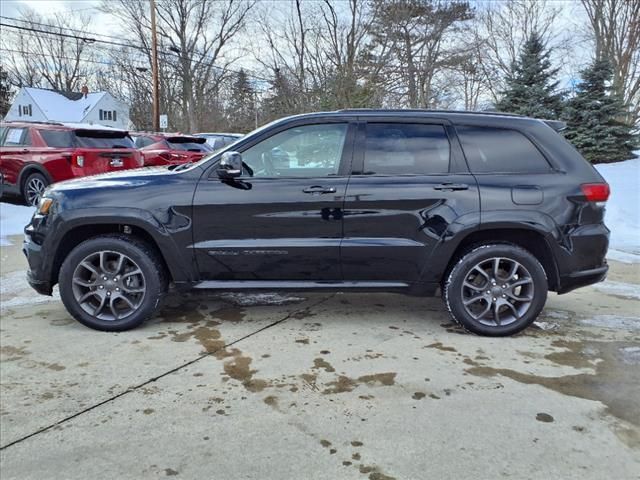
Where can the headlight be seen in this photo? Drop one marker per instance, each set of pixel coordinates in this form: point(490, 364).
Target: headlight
point(44, 205)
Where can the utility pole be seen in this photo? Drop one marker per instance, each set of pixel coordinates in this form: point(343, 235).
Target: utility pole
point(154, 68)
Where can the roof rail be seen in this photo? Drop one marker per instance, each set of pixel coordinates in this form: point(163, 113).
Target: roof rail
point(557, 125)
point(426, 110)
point(47, 122)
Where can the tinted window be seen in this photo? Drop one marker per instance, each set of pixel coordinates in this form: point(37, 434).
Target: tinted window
point(306, 151)
point(189, 146)
point(142, 142)
point(103, 139)
point(16, 137)
point(500, 150)
point(57, 138)
point(406, 149)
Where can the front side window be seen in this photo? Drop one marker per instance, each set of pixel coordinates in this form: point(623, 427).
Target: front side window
point(406, 149)
point(305, 151)
point(500, 150)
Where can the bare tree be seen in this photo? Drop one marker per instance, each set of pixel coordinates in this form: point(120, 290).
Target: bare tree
point(615, 30)
point(46, 54)
point(416, 33)
point(195, 35)
point(503, 28)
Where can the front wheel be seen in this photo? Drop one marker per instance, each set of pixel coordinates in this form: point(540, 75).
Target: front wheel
point(496, 290)
point(112, 282)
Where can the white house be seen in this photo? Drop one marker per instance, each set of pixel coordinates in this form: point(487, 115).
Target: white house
point(42, 105)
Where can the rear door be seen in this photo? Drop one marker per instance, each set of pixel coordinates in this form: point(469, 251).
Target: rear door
point(282, 220)
point(409, 187)
point(14, 152)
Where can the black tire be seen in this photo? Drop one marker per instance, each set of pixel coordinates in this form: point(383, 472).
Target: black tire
point(154, 280)
point(35, 181)
point(462, 286)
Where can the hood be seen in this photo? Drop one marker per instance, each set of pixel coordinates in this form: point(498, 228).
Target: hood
point(126, 178)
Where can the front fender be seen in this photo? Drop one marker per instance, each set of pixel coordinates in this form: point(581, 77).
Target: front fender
point(167, 228)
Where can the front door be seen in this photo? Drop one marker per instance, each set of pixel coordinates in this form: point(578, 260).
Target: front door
point(282, 219)
point(410, 187)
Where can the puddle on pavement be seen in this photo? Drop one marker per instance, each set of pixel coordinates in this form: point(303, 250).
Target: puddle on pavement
point(615, 381)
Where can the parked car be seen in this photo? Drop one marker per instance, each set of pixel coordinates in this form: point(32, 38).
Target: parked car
point(170, 148)
point(219, 140)
point(492, 210)
point(35, 155)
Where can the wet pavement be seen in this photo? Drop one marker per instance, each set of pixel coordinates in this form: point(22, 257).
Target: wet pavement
point(315, 386)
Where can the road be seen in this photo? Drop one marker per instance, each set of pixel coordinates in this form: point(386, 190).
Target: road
point(320, 386)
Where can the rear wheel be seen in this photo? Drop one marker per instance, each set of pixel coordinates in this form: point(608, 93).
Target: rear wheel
point(112, 283)
point(33, 188)
point(496, 290)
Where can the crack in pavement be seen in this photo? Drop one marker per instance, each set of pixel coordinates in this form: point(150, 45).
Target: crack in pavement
point(162, 375)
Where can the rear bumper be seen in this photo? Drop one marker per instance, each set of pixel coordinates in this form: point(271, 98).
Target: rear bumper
point(582, 261)
point(582, 279)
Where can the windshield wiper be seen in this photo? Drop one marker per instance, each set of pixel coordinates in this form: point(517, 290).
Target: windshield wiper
point(177, 168)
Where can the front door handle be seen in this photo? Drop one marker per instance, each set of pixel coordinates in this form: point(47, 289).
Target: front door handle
point(451, 186)
point(318, 189)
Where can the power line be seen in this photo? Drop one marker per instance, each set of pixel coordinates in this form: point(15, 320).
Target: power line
point(86, 60)
point(91, 40)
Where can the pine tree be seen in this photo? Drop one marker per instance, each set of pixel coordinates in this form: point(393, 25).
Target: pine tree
point(243, 104)
point(594, 117)
point(5, 92)
point(530, 85)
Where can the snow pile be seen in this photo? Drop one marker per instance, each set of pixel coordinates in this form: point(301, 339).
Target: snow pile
point(13, 219)
point(623, 209)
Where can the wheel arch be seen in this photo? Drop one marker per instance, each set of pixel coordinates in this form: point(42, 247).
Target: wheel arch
point(27, 170)
point(163, 245)
point(533, 240)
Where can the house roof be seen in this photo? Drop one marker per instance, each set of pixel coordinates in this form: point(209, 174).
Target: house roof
point(64, 106)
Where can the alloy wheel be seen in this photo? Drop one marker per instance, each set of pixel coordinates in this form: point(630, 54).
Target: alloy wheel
point(108, 285)
point(34, 189)
point(497, 291)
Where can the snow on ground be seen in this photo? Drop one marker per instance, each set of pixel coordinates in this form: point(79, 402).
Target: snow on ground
point(623, 209)
point(13, 219)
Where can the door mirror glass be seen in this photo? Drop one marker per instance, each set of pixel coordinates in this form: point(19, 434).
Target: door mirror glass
point(230, 165)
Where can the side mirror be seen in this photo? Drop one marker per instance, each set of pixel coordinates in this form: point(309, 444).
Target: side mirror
point(230, 165)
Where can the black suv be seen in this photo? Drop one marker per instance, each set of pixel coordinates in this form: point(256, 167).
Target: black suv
point(492, 210)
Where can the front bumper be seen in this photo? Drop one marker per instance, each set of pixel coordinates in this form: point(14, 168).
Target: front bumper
point(39, 273)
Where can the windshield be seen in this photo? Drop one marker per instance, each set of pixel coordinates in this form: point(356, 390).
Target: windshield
point(103, 139)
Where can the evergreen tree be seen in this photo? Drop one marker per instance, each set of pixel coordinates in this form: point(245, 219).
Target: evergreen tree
point(530, 85)
point(283, 98)
point(594, 117)
point(5, 92)
point(242, 107)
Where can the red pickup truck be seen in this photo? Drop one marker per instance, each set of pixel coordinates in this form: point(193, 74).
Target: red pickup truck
point(35, 155)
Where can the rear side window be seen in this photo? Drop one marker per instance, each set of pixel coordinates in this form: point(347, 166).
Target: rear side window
point(500, 150)
point(406, 149)
point(103, 139)
point(16, 137)
point(57, 138)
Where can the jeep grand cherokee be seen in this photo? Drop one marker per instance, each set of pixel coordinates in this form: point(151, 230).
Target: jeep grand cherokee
point(492, 210)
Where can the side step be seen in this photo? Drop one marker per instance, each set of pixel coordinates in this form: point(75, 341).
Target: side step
point(296, 285)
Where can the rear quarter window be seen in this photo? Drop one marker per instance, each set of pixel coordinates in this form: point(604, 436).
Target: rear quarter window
point(500, 150)
point(57, 138)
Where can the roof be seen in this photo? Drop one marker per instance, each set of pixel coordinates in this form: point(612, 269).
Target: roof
point(65, 106)
point(57, 125)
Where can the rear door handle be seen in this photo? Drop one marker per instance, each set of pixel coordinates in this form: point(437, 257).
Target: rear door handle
point(318, 189)
point(451, 186)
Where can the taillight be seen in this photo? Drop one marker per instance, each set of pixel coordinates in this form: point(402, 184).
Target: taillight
point(595, 192)
point(165, 156)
